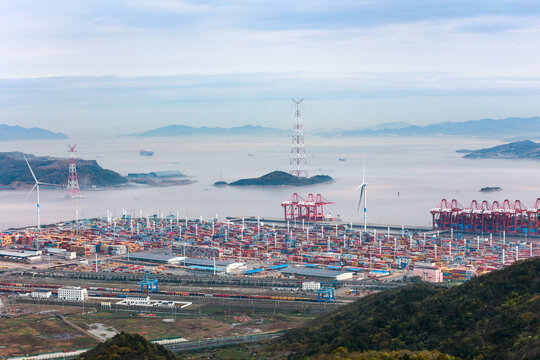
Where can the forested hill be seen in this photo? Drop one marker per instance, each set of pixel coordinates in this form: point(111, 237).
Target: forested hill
point(494, 316)
point(128, 346)
point(53, 170)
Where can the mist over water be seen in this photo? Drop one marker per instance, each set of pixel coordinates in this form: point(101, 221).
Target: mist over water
point(422, 170)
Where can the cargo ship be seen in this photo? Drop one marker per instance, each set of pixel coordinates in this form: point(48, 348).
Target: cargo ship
point(145, 152)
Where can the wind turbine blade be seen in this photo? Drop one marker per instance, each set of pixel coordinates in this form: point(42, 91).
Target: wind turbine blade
point(42, 183)
point(26, 198)
point(27, 163)
point(364, 171)
point(361, 196)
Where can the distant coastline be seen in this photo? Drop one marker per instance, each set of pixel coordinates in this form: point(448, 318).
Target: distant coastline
point(91, 175)
point(525, 149)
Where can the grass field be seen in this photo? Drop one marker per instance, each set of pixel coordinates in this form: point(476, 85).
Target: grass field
point(36, 329)
point(190, 328)
point(31, 334)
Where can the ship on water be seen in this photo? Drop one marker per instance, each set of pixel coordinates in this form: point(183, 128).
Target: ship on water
point(146, 152)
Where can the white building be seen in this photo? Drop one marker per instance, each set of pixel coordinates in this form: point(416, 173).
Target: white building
point(105, 305)
point(138, 300)
point(41, 294)
point(73, 293)
point(68, 255)
point(311, 285)
point(55, 251)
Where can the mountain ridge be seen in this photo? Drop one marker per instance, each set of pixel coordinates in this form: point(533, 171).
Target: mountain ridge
point(514, 126)
point(184, 130)
point(15, 132)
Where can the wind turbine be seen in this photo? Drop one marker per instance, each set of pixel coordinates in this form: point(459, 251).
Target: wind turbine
point(363, 194)
point(36, 186)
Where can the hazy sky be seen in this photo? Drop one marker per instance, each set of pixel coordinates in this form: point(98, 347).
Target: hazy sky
point(93, 66)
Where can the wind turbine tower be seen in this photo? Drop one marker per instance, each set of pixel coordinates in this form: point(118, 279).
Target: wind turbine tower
point(363, 195)
point(36, 186)
point(72, 190)
point(298, 162)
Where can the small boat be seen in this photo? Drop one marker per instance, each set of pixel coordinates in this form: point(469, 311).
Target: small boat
point(145, 152)
point(342, 159)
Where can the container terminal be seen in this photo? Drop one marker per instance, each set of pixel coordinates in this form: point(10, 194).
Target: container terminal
point(240, 248)
point(175, 268)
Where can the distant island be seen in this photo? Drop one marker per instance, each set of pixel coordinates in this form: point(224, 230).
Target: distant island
point(53, 170)
point(481, 128)
point(516, 150)
point(10, 133)
point(182, 130)
point(276, 178)
point(490, 189)
point(160, 178)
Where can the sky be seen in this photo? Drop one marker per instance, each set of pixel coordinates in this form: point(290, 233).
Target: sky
point(101, 67)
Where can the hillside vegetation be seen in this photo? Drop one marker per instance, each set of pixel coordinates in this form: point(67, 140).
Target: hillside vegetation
point(281, 178)
point(53, 171)
point(128, 346)
point(495, 316)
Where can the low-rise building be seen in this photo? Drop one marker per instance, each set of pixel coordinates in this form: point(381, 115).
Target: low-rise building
point(41, 294)
point(138, 300)
point(428, 273)
point(68, 255)
point(311, 286)
point(105, 304)
point(73, 293)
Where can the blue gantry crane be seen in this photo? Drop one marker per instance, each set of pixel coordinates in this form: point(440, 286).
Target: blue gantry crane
point(151, 283)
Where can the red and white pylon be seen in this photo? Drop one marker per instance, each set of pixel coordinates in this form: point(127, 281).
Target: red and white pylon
point(298, 162)
point(72, 190)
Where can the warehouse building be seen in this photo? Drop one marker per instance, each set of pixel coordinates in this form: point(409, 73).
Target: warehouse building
point(21, 256)
point(154, 258)
point(317, 274)
point(221, 265)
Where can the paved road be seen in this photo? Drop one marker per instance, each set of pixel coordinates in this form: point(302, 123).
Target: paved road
point(219, 342)
point(178, 346)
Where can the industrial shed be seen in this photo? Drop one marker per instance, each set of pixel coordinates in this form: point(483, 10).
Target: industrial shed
point(317, 274)
point(155, 258)
point(221, 265)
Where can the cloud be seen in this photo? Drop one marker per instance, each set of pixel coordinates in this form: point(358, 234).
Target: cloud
point(167, 58)
point(176, 6)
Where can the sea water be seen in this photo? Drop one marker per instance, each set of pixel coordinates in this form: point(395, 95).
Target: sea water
point(407, 177)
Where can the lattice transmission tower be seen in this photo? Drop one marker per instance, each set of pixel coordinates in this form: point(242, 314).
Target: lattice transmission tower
point(298, 162)
point(72, 190)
